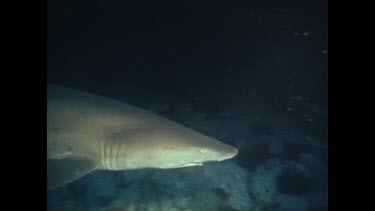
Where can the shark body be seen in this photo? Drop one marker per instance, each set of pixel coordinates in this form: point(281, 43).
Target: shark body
point(87, 132)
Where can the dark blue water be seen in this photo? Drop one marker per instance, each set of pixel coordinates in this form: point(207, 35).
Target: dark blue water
point(252, 74)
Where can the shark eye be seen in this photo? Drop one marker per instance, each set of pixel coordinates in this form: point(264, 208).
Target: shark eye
point(203, 150)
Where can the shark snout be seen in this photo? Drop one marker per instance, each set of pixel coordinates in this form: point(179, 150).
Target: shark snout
point(235, 151)
point(229, 153)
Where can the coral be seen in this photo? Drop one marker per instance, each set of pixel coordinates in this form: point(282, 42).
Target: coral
point(265, 181)
point(291, 203)
point(319, 169)
point(293, 181)
point(290, 185)
point(274, 185)
point(221, 185)
point(232, 179)
point(103, 189)
point(159, 190)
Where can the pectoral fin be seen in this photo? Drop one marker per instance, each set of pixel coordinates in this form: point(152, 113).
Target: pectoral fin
point(66, 170)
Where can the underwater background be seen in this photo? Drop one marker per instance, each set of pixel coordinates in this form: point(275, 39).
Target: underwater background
point(253, 74)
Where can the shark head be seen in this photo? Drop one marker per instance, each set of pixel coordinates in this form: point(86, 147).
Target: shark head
point(173, 146)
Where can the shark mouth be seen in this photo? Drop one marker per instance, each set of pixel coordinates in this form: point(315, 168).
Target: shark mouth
point(190, 164)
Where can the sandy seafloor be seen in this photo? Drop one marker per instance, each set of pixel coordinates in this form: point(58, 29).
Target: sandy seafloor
point(281, 165)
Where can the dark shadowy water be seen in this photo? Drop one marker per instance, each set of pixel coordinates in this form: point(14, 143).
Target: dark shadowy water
point(250, 73)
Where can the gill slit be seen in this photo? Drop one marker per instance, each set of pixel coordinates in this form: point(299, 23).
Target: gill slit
point(110, 158)
point(116, 155)
point(125, 155)
point(101, 150)
point(107, 155)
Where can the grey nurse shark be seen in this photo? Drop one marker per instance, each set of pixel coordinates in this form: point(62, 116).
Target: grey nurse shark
point(86, 132)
